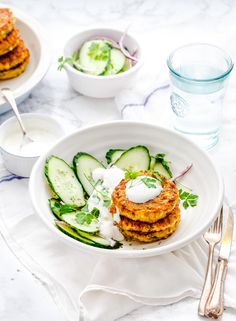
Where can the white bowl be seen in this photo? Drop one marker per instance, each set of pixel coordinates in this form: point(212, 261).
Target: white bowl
point(101, 86)
point(204, 179)
point(33, 36)
point(18, 164)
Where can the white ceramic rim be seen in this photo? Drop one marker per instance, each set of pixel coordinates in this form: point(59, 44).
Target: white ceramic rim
point(29, 115)
point(121, 75)
point(127, 253)
point(45, 59)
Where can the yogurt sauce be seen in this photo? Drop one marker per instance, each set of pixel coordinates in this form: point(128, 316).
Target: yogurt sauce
point(42, 139)
point(143, 189)
point(106, 180)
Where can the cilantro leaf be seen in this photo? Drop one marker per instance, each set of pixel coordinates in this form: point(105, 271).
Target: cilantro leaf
point(98, 51)
point(86, 218)
point(188, 199)
point(70, 60)
point(68, 208)
point(149, 182)
point(130, 174)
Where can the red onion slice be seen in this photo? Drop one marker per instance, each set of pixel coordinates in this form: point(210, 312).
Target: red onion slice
point(181, 174)
point(125, 51)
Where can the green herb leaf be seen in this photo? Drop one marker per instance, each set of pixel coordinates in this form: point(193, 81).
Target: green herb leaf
point(188, 199)
point(107, 202)
point(149, 182)
point(98, 52)
point(85, 218)
point(131, 175)
point(68, 208)
point(70, 60)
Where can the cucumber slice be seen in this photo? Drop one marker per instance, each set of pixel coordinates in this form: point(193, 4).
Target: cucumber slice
point(84, 164)
point(70, 219)
point(127, 65)
point(134, 159)
point(66, 229)
point(63, 181)
point(113, 154)
point(117, 62)
point(153, 162)
point(90, 53)
point(100, 241)
point(160, 169)
point(55, 206)
point(84, 237)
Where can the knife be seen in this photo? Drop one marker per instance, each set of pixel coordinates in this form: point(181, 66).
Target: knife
point(215, 303)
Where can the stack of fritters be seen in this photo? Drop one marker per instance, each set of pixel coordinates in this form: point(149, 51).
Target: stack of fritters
point(14, 56)
point(151, 221)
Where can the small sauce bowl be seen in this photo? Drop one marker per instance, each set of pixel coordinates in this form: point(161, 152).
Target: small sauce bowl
point(20, 160)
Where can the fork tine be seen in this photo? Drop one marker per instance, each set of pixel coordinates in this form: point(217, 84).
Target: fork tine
point(215, 225)
point(220, 220)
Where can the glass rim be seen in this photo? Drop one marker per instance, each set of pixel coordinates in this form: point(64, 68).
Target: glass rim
point(222, 75)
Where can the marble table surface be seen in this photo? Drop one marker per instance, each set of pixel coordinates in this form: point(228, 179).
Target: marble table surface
point(169, 24)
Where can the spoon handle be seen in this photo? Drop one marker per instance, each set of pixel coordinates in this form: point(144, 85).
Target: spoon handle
point(9, 97)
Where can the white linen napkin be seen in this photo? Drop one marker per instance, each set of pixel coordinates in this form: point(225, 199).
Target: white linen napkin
point(107, 288)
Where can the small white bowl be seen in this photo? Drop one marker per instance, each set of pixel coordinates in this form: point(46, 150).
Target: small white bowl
point(18, 164)
point(101, 86)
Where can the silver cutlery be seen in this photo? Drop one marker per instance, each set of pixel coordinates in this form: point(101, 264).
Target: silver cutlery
point(9, 97)
point(212, 237)
point(215, 303)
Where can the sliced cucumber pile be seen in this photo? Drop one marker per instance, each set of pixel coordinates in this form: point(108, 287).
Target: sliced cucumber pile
point(134, 159)
point(63, 181)
point(69, 185)
point(84, 164)
point(84, 237)
point(113, 154)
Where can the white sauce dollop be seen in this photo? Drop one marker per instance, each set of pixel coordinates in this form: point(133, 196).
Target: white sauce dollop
point(107, 180)
point(139, 192)
point(42, 139)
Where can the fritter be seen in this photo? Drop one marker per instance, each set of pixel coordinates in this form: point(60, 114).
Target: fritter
point(15, 72)
point(151, 236)
point(10, 42)
point(6, 22)
point(14, 57)
point(169, 221)
point(148, 212)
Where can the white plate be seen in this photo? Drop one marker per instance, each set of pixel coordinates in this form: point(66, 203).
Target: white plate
point(32, 34)
point(204, 179)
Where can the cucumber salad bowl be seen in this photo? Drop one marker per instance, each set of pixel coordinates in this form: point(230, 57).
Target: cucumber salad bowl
point(101, 62)
point(67, 185)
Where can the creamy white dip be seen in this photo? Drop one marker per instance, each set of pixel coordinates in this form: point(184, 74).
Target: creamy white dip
point(143, 189)
point(106, 180)
point(42, 139)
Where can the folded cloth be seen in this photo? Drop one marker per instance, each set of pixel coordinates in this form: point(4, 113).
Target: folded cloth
point(106, 287)
point(149, 105)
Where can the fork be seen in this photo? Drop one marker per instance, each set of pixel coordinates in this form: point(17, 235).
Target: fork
point(212, 237)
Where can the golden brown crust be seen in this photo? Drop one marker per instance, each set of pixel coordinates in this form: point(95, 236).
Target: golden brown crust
point(151, 236)
point(10, 42)
point(14, 57)
point(148, 212)
point(169, 221)
point(6, 22)
point(15, 72)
